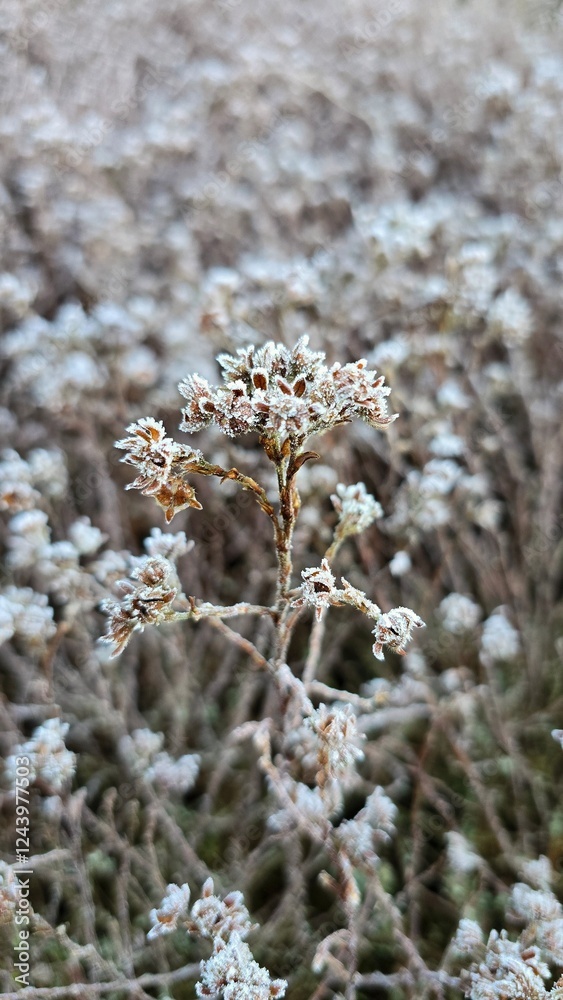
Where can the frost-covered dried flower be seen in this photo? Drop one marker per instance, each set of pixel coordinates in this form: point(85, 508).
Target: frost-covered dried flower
point(318, 589)
point(215, 918)
point(338, 739)
point(28, 617)
point(309, 804)
point(163, 465)
point(510, 970)
point(174, 906)
point(468, 937)
point(372, 826)
point(394, 629)
point(500, 640)
point(459, 613)
point(140, 748)
point(174, 775)
point(167, 544)
point(85, 537)
point(49, 759)
point(284, 393)
point(356, 509)
point(233, 973)
point(147, 600)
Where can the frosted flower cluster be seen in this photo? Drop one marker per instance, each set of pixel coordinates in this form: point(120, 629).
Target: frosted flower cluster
point(24, 481)
point(231, 970)
point(233, 973)
point(459, 613)
point(143, 753)
point(373, 826)
point(49, 759)
point(318, 590)
point(500, 640)
point(337, 741)
point(212, 917)
point(393, 628)
point(173, 908)
point(28, 617)
point(284, 393)
point(356, 509)
point(163, 465)
point(510, 970)
point(147, 598)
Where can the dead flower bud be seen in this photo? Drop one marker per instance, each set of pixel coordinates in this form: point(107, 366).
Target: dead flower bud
point(173, 907)
point(356, 509)
point(394, 630)
point(318, 589)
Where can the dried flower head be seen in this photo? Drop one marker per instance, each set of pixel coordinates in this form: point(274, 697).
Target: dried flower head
point(212, 917)
point(338, 739)
point(147, 600)
point(283, 393)
point(163, 465)
point(318, 590)
point(174, 906)
point(233, 973)
point(394, 629)
point(356, 509)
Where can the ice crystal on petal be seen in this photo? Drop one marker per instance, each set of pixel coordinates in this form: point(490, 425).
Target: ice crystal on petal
point(338, 738)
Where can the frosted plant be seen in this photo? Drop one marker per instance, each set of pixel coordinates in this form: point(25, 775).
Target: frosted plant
point(459, 613)
point(231, 970)
point(337, 736)
point(285, 396)
point(500, 640)
point(48, 758)
point(174, 906)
